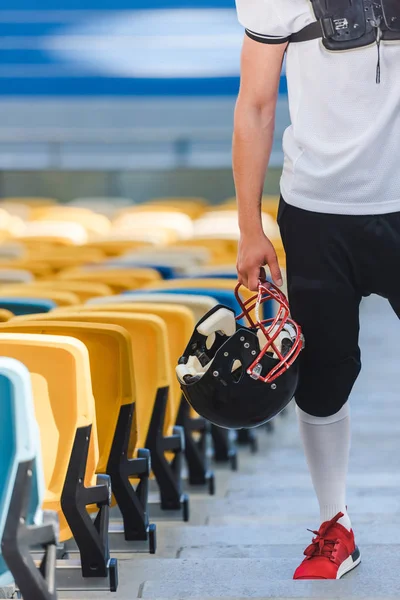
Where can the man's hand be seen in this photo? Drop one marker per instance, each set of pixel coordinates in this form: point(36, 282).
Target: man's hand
point(256, 251)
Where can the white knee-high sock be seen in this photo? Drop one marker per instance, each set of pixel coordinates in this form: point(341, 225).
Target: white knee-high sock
point(326, 442)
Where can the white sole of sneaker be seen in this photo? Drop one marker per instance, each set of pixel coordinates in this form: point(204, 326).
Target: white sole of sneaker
point(350, 563)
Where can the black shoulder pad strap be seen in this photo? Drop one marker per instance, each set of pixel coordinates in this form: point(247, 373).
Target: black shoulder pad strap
point(311, 32)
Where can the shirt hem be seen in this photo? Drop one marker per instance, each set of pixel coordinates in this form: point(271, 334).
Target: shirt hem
point(347, 208)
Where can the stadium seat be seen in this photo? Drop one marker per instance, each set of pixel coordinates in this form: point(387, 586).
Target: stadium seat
point(5, 315)
point(15, 276)
point(38, 268)
point(92, 222)
point(111, 366)
point(180, 323)
point(26, 306)
point(199, 305)
point(103, 205)
point(60, 233)
point(152, 368)
point(174, 221)
point(59, 297)
point(194, 207)
point(220, 251)
point(165, 271)
point(84, 290)
point(182, 260)
point(65, 411)
point(64, 257)
point(22, 522)
point(119, 279)
point(212, 287)
point(223, 292)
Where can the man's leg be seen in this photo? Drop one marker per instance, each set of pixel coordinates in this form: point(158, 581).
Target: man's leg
point(324, 300)
point(326, 442)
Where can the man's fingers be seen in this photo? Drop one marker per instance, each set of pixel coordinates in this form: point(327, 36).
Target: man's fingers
point(242, 279)
point(274, 268)
point(253, 279)
point(262, 276)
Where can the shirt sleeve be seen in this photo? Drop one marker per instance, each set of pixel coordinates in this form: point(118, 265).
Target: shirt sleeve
point(262, 21)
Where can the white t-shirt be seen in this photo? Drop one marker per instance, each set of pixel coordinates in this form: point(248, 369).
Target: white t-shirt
point(342, 149)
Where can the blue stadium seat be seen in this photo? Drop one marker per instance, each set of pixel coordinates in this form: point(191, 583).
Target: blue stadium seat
point(165, 271)
point(22, 489)
point(26, 306)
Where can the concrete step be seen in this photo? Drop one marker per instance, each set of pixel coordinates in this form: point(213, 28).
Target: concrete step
point(262, 541)
point(378, 576)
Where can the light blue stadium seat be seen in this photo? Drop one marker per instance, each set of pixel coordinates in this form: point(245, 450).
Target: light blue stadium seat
point(26, 306)
point(22, 489)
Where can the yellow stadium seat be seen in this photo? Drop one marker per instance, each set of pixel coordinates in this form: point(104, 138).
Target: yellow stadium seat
point(180, 323)
point(152, 366)
point(61, 298)
point(62, 257)
point(55, 232)
point(5, 315)
point(92, 222)
point(65, 411)
point(177, 223)
point(193, 207)
point(197, 304)
point(111, 366)
point(112, 247)
point(84, 290)
point(38, 269)
point(223, 284)
point(119, 279)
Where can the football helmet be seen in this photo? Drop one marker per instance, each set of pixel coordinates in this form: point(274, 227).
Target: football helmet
point(241, 377)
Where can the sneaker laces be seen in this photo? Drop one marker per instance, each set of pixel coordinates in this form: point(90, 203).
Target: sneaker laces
point(322, 545)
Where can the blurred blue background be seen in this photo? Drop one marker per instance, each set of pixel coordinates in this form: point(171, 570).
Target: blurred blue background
point(120, 88)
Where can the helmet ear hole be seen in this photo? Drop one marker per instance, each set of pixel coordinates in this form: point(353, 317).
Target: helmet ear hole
point(237, 370)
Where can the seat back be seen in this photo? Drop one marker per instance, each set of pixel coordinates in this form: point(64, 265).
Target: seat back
point(220, 289)
point(26, 306)
point(15, 276)
point(111, 367)
point(84, 290)
point(151, 360)
point(179, 322)
point(64, 402)
point(199, 305)
point(5, 315)
point(118, 279)
point(19, 442)
point(59, 297)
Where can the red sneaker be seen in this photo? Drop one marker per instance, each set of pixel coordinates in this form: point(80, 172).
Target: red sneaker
point(331, 554)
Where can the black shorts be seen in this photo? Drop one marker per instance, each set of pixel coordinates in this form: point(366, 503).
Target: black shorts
point(332, 262)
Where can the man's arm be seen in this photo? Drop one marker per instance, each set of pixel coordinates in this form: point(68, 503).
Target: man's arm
point(261, 67)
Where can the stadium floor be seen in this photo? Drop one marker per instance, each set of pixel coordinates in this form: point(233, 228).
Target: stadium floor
point(246, 541)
